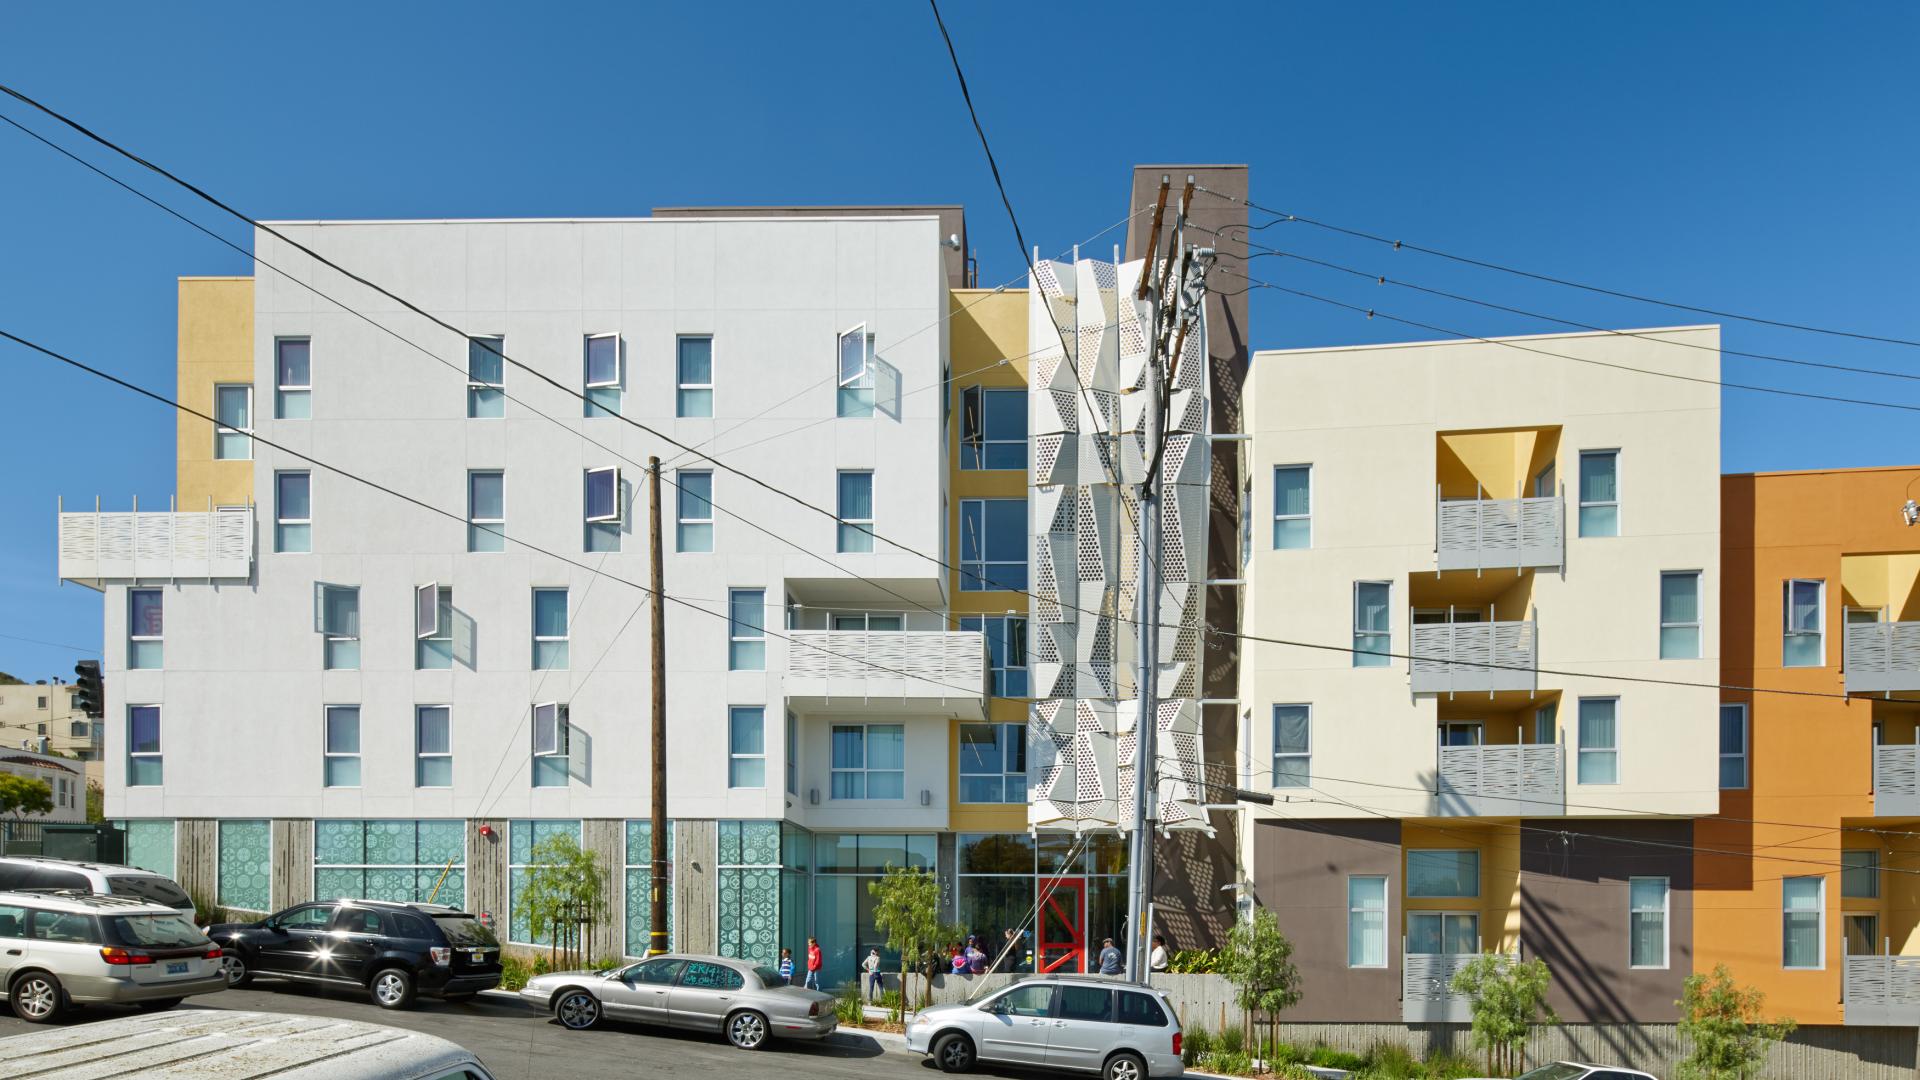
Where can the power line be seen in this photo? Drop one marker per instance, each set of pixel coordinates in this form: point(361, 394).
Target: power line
point(1397, 245)
point(51, 644)
point(1702, 380)
point(382, 488)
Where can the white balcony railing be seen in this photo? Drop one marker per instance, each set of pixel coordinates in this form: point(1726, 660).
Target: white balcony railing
point(1527, 779)
point(1426, 988)
point(852, 666)
point(1883, 991)
point(1485, 534)
point(1489, 656)
point(1883, 656)
point(1896, 780)
point(98, 546)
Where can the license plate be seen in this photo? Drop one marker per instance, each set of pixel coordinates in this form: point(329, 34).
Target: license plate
point(179, 968)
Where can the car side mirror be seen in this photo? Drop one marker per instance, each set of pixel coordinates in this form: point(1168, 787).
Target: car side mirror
point(997, 1008)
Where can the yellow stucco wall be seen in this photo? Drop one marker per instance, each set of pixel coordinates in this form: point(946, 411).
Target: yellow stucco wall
point(1496, 464)
point(1498, 904)
point(985, 328)
point(215, 343)
point(1882, 581)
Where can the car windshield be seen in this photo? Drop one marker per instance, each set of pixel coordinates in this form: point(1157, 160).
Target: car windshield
point(464, 930)
point(768, 977)
point(150, 887)
point(1559, 1070)
point(156, 931)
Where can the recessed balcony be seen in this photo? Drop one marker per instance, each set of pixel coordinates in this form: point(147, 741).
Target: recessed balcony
point(97, 546)
point(1517, 780)
point(1489, 534)
point(1882, 657)
point(1452, 657)
point(933, 672)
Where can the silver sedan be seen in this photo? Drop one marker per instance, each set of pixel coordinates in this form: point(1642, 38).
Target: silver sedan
point(748, 1003)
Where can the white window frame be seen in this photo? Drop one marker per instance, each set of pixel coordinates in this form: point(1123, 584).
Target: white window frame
point(552, 729)
point(329, 634)
point(1665, 911)
point(1786, 620)
point(498, 525)
point(564, 638)
point(1581, 495)
point(679, 377)
point(1819, 909)
point(1873, 864)
point(1386, 659)
point(862, 525)
point(422, 755)
point(864, 769)
point(1745, 756)
point(1581, 750)
point(680, 510)
point(1279, 517)
point(134, 638)
point(475, 385)
point(586, 361)
point(426, 600)
point(756, 635)
point(157, 753)
point(734, 713)
point(1385, 910)
point(220, 429)
point(281, 389)
point(279, 518)
point(973, 401)
point(1307, 756)
point(328, 755)
point(614, 518)
point(1478, 873)
point(1698, 623)
point(862, 380)
point(981, 570)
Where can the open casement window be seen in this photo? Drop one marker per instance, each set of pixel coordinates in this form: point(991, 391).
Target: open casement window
point(551, 732)
point(603, 495)
point(603, 361)
point(855, 357)
point(426, 611)
point(336, 617)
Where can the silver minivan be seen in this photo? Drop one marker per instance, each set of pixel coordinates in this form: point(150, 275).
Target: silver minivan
point(194, 1044)
point(1122, 1031)
point(59, 949)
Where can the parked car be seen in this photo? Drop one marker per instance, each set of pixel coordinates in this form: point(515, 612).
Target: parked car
point(392, 950)
point(750, 1004)
point(59, 949)
point(1119, 1030)
point(1570, 1070)
point(196, 1044)
point(33, 872)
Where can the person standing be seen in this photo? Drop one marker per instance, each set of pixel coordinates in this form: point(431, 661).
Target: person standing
point(1009, 958)
point(814, 963)
point(1110, 958)
point(875, 983)
point(786, 966)
point(1157, 959)
point(957, 959)
point(976, 958)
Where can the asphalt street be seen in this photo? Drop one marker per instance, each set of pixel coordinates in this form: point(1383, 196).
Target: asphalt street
point(518, 1044)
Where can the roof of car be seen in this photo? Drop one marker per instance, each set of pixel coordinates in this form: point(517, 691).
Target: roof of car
point(105, 868)
point(436, 910)
point(78, 902)
point(197, 1043)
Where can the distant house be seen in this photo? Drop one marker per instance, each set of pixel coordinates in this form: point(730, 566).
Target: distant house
point(63, 776)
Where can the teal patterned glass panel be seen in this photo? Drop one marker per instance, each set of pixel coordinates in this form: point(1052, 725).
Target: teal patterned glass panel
point(640, 843)
point(640, 912)
point(390, 843)
point(518, 928)
point(150, 846)
point(750, 914)
point(389, 885)
point(246, 858)
point(760, 843)
point(526, 835)
point(453, 890)
point(442, 840)
point(338, 884)
point(338, 843)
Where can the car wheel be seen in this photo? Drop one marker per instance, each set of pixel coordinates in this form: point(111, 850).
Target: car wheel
point(159, 1004)
point(747, 1030)
point(236, 969)
point(953, 1052)
point(392, 988)
point(37, 998)
point(577, 1010)
point(1124, 1067)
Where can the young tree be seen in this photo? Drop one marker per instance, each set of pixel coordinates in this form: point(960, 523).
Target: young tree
point(906, 908)
point(565, 885)
point(1508, 996)
point(1722, 1024)
point(1258, 961)
point(21, 795)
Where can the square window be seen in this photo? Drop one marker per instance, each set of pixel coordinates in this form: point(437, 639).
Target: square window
point(993, 428)
point(993, 544)
point(993, 763)
point(869, 761)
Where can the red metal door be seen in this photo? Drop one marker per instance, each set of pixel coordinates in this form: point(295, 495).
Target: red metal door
point(1062, 926)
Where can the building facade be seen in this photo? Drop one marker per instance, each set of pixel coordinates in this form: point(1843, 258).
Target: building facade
point(42, 716)
point(1478, 677)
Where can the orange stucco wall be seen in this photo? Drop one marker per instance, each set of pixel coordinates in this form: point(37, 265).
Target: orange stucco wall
point(1811, 763)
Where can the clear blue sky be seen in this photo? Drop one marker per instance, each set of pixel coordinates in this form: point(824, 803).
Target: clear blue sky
point(1759, 158)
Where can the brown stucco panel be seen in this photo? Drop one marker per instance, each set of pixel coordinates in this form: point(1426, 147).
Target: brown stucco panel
point(1302, 869)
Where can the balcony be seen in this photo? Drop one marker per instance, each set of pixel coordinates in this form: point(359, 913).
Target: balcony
point(1523, 780)
point(96, 547)
point(1491, 534)
point(1896, 780)
point(934, 672)
point(1475, 657)
point(1882, 991)
point(1882, 657)
point(1426, 988)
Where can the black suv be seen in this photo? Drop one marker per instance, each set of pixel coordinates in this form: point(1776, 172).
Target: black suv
point(392, 950)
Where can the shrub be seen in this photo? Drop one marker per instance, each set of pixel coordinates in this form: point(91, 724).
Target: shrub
point(848, 1006)
point(1723, 1027)
point(1446, 1066)
point(1391, 1061)
point(1326, 1057)
point(1194, 962)
point(1227, 1063)
point(514, 973)
point(206, 912)
point(1258, 961)
point(890, 1000)
point(1507, 996)
point(1233, 1040)
point(1193, 1043)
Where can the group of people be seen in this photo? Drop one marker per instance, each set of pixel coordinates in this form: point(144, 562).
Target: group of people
point(966, 958)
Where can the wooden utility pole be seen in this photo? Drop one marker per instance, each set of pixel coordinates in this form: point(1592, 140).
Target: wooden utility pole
point(657, 939)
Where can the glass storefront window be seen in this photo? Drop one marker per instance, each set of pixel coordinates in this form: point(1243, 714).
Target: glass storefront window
point(996, 853)
point(1003, 879)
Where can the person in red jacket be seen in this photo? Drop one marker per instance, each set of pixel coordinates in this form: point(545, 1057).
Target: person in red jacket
point(813, 964)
